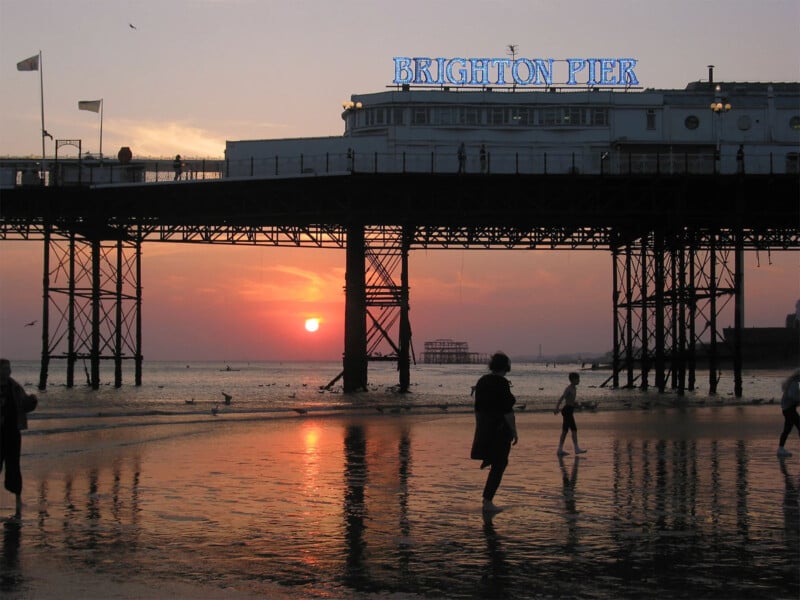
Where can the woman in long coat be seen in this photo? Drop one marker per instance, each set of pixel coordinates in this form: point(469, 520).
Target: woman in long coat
point(495, 426)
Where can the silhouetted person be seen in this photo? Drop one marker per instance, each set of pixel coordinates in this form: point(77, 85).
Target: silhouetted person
point(177, 166)
point(15, 405)
point(462, 158)
point(495, 425)
point(483, 158)
point(568, 415)
point(740, 159)
point(789, 401)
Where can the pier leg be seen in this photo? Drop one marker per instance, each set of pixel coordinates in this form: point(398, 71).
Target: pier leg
point(355, 329)
point(404, 356)
point(45, 311)
point(712, 317)
point(738, 314)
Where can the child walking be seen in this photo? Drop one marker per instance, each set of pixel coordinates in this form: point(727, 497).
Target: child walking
point(568, 414)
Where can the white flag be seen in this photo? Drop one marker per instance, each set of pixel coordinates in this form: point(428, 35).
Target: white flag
point(29, 64)
point(92, 105)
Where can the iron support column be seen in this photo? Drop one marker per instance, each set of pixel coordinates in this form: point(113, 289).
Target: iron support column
point(615, 361)
point(658, 292)
point(71, 355)
point(645, 356)
point(137, 360)
point(118, 319)
point(738, 314)
point(712, 315)
point(355, 329)
point(404, 358)
point(45, 310)
point(629, 352)
point(94, 352)
point(692, 293)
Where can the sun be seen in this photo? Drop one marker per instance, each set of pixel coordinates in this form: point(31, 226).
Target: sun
point(312, 325)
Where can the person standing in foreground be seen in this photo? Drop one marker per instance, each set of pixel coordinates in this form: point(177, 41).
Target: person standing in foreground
point(568, 414)
point(15, 405)
point(495, 425)
point(789, 401)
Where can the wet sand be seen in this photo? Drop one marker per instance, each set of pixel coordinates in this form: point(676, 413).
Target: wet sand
point(669, 503)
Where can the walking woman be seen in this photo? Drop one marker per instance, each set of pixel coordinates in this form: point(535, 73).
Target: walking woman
point(789, 401)
point(15, 405)
point(495, 425)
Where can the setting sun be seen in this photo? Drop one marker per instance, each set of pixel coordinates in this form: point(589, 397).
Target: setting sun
point(312, 325)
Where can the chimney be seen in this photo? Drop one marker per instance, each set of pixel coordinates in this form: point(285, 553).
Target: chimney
point(710, 74)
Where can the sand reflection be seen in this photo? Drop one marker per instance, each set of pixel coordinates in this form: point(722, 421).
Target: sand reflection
point(379, 505)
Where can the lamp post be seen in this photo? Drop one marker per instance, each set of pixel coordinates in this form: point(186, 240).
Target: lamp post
point(719, 107)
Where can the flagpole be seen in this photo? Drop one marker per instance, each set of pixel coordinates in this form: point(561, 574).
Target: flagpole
point(101, 128)
point(41, 96)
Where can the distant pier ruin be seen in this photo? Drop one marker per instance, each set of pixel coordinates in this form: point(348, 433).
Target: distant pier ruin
point(449, 352)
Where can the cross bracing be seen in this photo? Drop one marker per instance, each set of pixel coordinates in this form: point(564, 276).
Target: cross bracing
point(676, 243)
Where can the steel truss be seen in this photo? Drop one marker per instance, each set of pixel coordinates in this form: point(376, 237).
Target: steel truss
point(92, 288)
point(668, 295)
point(377, 325)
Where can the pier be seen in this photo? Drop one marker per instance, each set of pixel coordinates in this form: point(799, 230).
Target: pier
point(676, 244)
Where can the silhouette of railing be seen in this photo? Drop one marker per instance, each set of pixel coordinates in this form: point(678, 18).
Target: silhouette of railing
point(16, 172)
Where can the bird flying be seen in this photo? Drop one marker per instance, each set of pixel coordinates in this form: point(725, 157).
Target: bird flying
point(31, 323)
point(131, 26)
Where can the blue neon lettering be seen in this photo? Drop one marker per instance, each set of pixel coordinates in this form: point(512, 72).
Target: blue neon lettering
point(402, 70)
point(480, 71)
point(592, 64)
point(626, 74)
point(500, 64)
point(546, 70)
point(523, 71)
point(575, 65)
point(462, 71)
point(607, 67)
point(422, 67)
point(440, 70)
point(515, 71)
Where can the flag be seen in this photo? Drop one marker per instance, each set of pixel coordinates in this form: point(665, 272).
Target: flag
point(92, 105)
point(29, 64)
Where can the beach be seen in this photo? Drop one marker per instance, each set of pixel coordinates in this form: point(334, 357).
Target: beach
point(670, 502)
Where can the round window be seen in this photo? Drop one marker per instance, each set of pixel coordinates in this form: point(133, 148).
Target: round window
point(691, 122)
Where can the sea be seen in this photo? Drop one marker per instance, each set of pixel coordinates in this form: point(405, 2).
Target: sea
point(294, 490)
point(261, 390)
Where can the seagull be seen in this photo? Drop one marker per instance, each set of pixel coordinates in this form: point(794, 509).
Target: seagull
point(189, 401)
point(31, 324)
point(300, 411)
point(131, 25)
point(215, 410)
point(228, 398)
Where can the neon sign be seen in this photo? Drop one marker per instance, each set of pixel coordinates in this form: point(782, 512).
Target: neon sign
point(521, 71)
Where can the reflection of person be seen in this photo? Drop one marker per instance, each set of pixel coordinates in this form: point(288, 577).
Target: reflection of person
point(568, 414)
point(495, 425)
point(15, 405)
point(177, 165)
point(789, 401)
point(462, 157)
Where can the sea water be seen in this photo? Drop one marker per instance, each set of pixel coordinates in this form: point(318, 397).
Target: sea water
point(373, 495)
point(272, 389)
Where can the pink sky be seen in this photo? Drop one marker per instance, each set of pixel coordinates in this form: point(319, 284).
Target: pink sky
point(243, 303)
point(195, 73)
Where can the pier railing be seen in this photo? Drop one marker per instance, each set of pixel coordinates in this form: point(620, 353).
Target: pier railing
point(22, 172)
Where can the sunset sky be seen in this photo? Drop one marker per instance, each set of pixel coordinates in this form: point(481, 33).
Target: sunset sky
point(184, 76)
